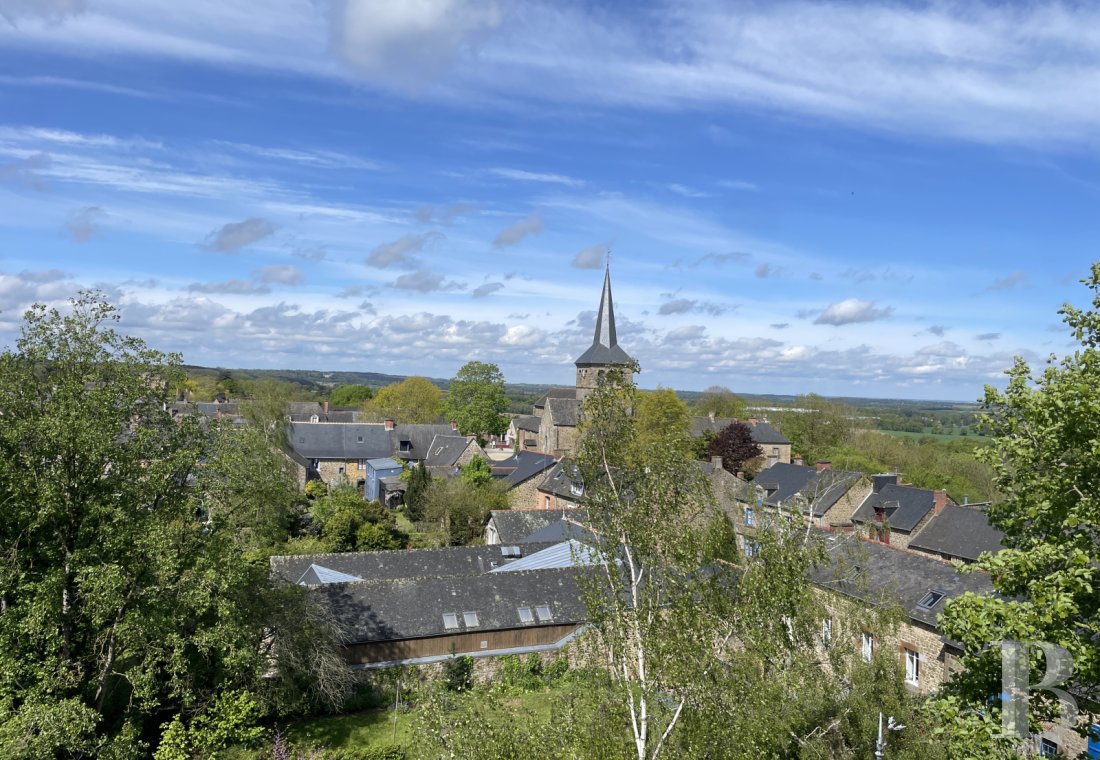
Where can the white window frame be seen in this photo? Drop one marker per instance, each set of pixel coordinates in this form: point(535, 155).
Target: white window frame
point(1047, 747)
point(750, 517)
point(912, 667)
point(362, 464)
point(867, 645)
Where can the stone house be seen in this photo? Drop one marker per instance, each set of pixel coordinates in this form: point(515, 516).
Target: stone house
point(775, 445)
point(522, 473)
point(893, 513)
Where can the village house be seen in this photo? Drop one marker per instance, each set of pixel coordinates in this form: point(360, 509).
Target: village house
point(776, 447)
point(958, 532)
point(522, 473)
point(893, 513)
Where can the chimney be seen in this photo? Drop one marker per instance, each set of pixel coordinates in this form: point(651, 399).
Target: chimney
point(823, 464)
point(326, 408)
point(388, 423)
point(717, 462)
point(799, 460)
point(752, 420)
point(454, 425)
point(883, 479)
point(939, 501)
point(741, 474)
point(710, 414)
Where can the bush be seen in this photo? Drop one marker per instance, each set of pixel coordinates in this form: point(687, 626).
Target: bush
point(458, 673)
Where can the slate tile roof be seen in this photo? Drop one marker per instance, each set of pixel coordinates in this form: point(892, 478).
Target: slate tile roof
point(556, 393)
point(522, 466)
point(445, 450)
point(879, 574)
point(564, 411)
point(905, 506)
point(419, 438)
point(785, 481)
point(335, 440)
point(762, 432)
point(561, 479)
point(516, 526)
point(528, 422)
point(383, 565)
point(409, 608)
point(958, 532)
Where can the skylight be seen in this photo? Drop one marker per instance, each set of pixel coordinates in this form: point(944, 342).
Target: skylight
point(470, 618)
point(543, 612)
point(450, 620)
point(525, 615)
point(931, 599)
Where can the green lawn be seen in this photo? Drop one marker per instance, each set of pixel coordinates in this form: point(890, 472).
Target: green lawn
point(933, 436)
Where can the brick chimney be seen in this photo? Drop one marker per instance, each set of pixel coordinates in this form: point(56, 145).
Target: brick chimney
point(741, 474)
point(326, 407)
point(454, 425)
point(389, 424)
point(823, 464)
point(717, 462)
point(799, 460)
point(939, 501)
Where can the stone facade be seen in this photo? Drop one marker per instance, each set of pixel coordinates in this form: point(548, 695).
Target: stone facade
point(526, 494)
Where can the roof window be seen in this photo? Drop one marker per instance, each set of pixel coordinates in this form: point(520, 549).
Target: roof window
point(450, 621)
point(525, 615)
point(543, 611)
point(470, 618)
point(931, 599)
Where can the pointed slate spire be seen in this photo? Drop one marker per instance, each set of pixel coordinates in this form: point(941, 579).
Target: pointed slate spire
point(605, 345)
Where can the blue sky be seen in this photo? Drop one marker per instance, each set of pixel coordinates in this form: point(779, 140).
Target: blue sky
point(884, 200)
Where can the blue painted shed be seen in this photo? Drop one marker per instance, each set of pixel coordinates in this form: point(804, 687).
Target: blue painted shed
point(376, 470)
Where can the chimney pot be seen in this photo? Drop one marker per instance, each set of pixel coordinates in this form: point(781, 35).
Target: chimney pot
point(798, 460)
point(326, 407)
point(717, 462)
point(741, 474)
point(939, 501)
point(389, 424)
point(822, 465)
point(454, 425)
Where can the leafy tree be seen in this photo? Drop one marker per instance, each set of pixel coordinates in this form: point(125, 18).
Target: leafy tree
point(721, 402)
point(1046, 437)
point(416, 492)
point(477, 472)
point(660, 416)
point(461, 509)
point(120, 602)
point(414, 400)
point(476, 400)
point(351, 395)
point(816, 425)
point(735, 445)
point(348, 523)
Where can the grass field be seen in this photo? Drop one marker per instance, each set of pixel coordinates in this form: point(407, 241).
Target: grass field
point(942, 437)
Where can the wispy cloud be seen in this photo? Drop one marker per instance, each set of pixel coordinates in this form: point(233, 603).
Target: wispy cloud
point(426, 281)
point(481, 291)
point(687, 305)
point(281, 274)
point(1007, 282)
point(517, 231)
point(230, 287)
point(528, 176)
point(591, 257)
point(688, 192)
point(84, 223)
point(401, 252)
point(234, 236)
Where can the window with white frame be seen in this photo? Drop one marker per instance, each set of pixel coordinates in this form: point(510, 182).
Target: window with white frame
point(750, 517)
point(1048, 747)
point(912, 667)
point(362, 464)
point(827, 630)
point(752, 548)
point(867, 646)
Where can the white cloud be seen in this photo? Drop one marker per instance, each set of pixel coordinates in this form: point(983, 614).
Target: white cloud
point(688, 192)
point(526, 176)
point(481, 291)
point(850, 311)
point(281, 274)
point(426, 281)
point(1007, 282)
point(400, 252)
point(229, 287)
point(591, 257)
point(54, 10)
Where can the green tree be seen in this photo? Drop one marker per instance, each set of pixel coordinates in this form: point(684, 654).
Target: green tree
point(721, 402)
point(348, 523)
point(660, 416)
point(120, 603)
point(476, 400)
point(735, 445)
point(477, 472)
point(351, 395)
point(461, 509)
point(816, 425)
point(1044, 453)
point(415, 400)
point(416, 492)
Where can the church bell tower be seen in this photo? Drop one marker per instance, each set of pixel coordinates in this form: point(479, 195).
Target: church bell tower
point(604, 353)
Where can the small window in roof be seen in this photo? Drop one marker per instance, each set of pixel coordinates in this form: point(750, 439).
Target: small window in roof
point(931, 599)
point(359, 439)
point(543, 611)
point(450, 620)
point(470, 618)
point(525, 615)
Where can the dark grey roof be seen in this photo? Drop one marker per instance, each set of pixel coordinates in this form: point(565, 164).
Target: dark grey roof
point(605, 344)
point(564, 411)
point(762, 432)
point(526, 422)
point(445, 450)
point(304, 411)
point(905, 506)
point(514, 525)
point(563, 529)
point(958, 533)
point(560, 482)
point(337, 440)
point(556, 393)
point(877, 574)
point(420, 437)
point(785, 481)
point(521, 466)
point(410, 608)
point(449, 560)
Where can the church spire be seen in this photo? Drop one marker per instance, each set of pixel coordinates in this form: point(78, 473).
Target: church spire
point(605, 348)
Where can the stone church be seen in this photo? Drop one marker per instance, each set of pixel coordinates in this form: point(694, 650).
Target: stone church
point(559, 409)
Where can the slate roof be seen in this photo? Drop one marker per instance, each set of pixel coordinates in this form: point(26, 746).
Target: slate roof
point(605, 347)
point(785, 481)
point(564, 411)
point(336, 440)
point(514, 525)
point(383, 565)
point(762, 432)
point(304, 411)
point(521, 466)
point(420, 437)
point(885, 574)
point(558, 482)
point(445, 450)
point(528, 422)
point(556, 393)
point(567, 528)
point(958, 533)
point(409, 608)
point(905, 506)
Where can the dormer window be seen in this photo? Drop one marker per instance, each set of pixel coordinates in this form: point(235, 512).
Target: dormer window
point(406, 446)
point(577, 489)
point(314, 418)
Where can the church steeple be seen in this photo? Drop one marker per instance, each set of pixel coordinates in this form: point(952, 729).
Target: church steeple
point(605, 351)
